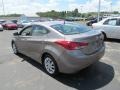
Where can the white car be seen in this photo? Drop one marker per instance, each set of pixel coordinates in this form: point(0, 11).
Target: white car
point(109, 26)
point(1, 27)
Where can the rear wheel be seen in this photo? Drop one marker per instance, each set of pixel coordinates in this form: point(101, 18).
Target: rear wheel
point(50, 65)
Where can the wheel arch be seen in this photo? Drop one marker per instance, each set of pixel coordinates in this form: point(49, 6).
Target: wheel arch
point(105, 36)
point(47, 52)
point(53, 54)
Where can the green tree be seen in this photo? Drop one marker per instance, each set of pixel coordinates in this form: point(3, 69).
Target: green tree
point(115, 12)
point(75, 13)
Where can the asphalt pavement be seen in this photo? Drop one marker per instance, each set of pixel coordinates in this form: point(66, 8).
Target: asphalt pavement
point(22, 73)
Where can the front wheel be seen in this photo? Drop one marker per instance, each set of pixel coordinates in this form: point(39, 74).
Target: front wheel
point(14, 48)
point(50, 65)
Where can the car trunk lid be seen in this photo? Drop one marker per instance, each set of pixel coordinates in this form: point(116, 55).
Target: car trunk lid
point(93, 38)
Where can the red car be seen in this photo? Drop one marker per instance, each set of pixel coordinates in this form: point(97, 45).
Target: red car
point(10, 26)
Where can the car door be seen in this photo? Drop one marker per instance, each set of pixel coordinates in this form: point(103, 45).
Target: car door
point(111, 28)
point(22, 40)
point(117, 31)
point(37, 43)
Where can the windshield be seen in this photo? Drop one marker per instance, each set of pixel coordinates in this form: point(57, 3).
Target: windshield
point(69, 29)
point(25, 21)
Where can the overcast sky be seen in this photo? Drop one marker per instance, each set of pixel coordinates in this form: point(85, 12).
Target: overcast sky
point(33, 6)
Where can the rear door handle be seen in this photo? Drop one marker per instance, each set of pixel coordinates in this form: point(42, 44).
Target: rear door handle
point(25, 38)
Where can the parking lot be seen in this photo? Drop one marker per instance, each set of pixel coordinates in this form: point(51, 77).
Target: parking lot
point(22, 73)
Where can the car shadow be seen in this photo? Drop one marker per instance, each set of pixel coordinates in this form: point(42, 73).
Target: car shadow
point(113, 40)
point(94, 77)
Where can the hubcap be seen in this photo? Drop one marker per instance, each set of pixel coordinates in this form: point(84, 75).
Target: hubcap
point(14, 48)
point(49, 65)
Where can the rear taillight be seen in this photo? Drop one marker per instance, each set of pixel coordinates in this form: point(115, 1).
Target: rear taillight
point(71, 45)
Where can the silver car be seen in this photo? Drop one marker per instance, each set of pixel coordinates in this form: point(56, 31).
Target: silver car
point(60, 46)
point(109, 26)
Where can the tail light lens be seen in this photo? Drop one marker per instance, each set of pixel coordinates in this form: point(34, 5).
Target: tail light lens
point(71, 45)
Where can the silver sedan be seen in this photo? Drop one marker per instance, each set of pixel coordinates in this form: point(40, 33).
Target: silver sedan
point(60, 46)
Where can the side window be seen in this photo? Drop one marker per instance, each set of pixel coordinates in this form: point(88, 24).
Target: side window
point(112, 22)
point(26, 31)
point(39, 30)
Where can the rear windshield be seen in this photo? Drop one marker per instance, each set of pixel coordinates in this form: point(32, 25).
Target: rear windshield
point(69, 29)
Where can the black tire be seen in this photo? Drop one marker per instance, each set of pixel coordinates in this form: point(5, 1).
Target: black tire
point(90, 24)
point(55, 65)
point(105, 37)
point(15, 50)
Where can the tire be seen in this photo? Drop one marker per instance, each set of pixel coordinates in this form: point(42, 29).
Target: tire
point(105, 37)
point(14, 48)
point(50, 65)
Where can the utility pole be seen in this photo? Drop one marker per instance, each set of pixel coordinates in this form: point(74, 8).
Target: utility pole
point(81, 8)
point(111, 8)
point(99, 7)
point(3, 7)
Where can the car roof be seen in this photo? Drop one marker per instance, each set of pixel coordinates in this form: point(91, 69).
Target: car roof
point(117, 17)
point(112, 18)
point(50, 23)
point(102, 21)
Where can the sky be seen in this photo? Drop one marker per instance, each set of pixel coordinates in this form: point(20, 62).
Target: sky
point(30, 7)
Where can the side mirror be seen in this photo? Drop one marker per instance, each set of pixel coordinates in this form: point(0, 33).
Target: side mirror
point(16, 34)
point(28, 34)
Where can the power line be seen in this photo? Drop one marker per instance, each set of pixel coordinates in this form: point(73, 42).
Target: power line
point(99, 7)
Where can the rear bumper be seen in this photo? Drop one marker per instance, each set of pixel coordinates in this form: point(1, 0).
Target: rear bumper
point(1, 29)
point(74, 63)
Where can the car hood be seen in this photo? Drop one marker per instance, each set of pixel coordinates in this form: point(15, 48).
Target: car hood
point(11, 24)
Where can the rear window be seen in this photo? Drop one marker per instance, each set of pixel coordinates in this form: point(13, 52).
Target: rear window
point(69, 29)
